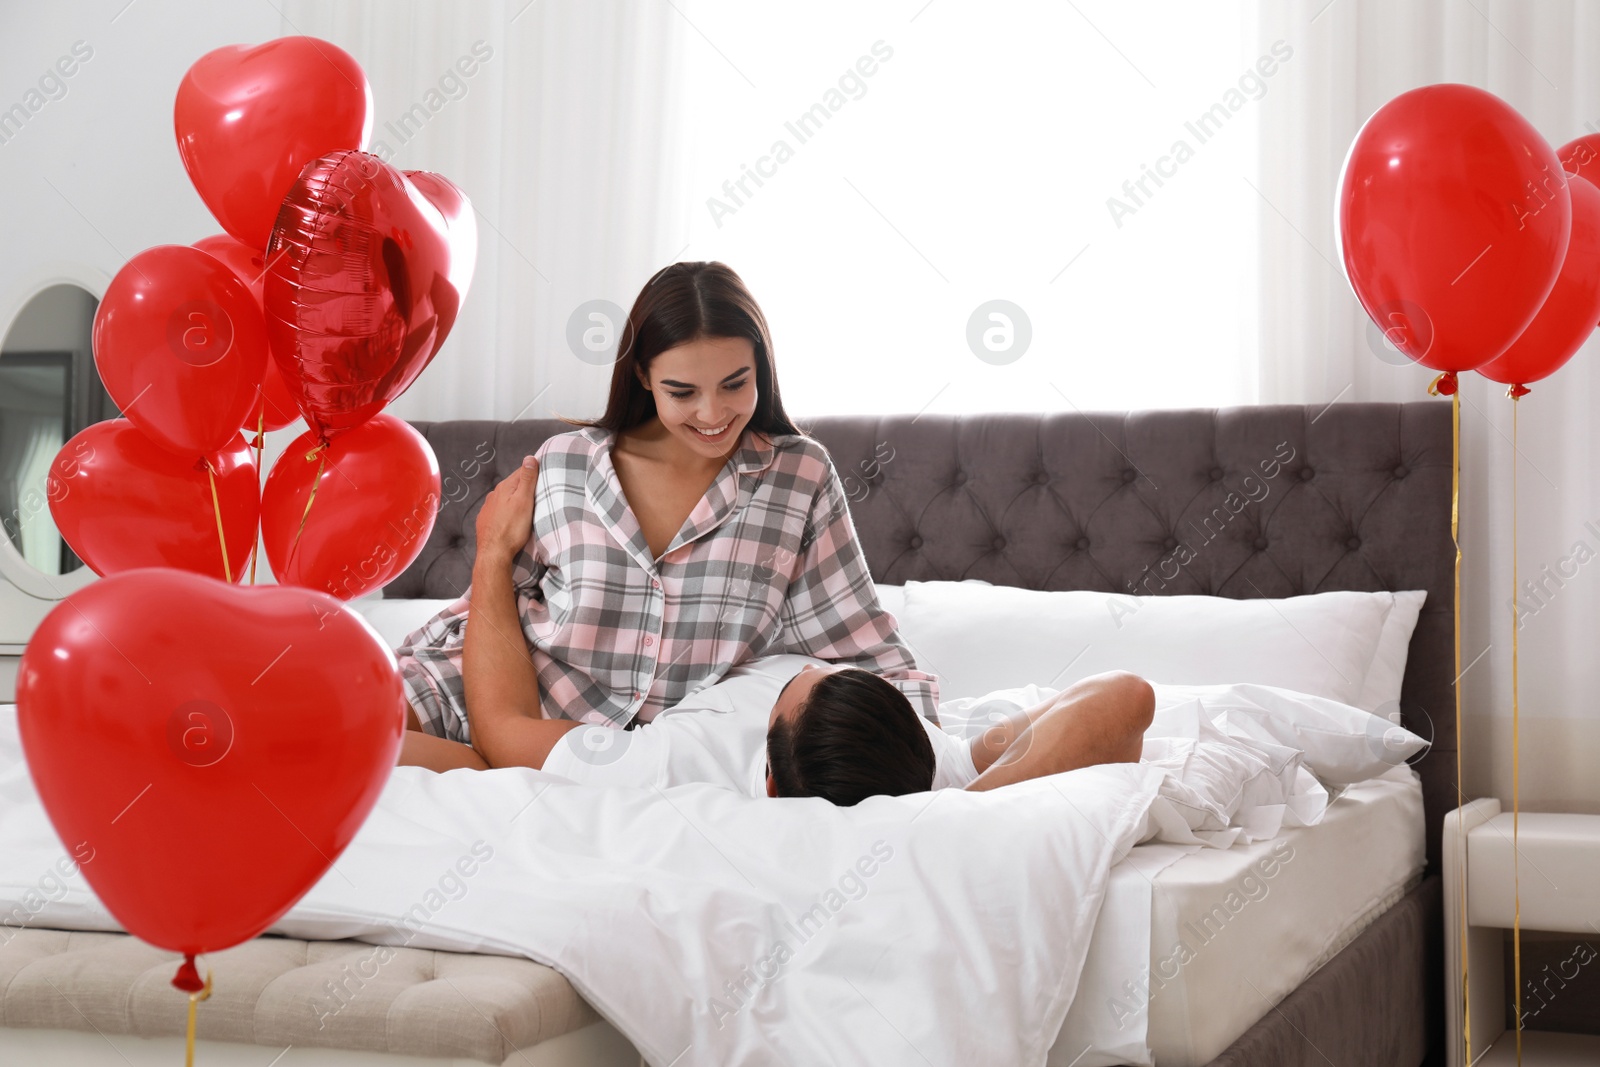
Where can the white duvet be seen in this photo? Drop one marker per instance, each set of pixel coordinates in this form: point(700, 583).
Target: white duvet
point(711, 928)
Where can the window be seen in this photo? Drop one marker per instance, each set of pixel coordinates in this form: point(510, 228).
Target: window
point(878, 176)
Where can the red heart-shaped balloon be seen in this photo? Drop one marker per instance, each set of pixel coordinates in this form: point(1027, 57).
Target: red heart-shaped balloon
point(375, 503)
point(364, 281)
point(123, 502)
point(249, 118)
point(213, 748)
point(181, 348)
point(274, 408)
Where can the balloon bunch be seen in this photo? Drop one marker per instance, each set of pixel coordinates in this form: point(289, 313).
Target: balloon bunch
point(338, 279)
point(1470, 244)
point(1465, 238)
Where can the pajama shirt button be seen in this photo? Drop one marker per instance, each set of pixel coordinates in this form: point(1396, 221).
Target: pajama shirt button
point(648, 640)
point(655, 583)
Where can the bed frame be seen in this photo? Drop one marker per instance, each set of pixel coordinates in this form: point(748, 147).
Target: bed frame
point(1346, 497)
point(1358, 499)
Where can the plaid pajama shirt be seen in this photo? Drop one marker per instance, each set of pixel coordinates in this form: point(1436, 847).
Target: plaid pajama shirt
point(767, 562)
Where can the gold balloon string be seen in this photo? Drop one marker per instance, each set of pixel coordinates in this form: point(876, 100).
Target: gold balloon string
point(195, 998)
point(1455, 539)
point(1516, 855)
point(216, 509)
point(260, 442)
point(321, 452)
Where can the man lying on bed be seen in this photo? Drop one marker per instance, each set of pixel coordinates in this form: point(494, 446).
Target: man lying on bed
point(796, 726)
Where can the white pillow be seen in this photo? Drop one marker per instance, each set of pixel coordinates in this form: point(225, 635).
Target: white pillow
point(1381, 694)
point(1343, 745)
point(979, 638)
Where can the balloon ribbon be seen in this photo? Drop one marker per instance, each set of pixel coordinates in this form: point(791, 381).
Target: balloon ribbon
point(321, 452)
point(260, 441)
point(188, 980)
point(216, 508)
point(1446, 384)
point(1516, 872)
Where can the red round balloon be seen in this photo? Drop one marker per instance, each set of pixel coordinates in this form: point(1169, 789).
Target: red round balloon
point(365, 276)
point(213, 749)
point(374, 507)
point(122, 502)
point(275, 407)
point(1570, 311)
point(1453, 219)
point(248, 119)
point(181, 348)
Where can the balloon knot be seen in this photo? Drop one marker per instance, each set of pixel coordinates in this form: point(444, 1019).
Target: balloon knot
point(1517, 392)
point(1444, 385)
point(258, 441)
point(188, 977)
point(320, 446)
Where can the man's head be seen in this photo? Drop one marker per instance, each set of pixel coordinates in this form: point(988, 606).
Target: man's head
point(845, 734)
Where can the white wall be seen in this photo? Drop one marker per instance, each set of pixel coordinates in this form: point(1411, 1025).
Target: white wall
point(93, 176)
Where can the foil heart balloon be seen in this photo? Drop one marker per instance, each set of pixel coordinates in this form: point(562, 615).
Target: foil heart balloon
point(213, 748)
point(366, 271)
point(248, 119)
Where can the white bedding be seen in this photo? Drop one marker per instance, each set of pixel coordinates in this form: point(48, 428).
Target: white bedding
point(1307, 893)
point(949, 927)
point(712, 928)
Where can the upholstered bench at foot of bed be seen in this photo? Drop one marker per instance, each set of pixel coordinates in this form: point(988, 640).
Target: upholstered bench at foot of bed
point(280, 992)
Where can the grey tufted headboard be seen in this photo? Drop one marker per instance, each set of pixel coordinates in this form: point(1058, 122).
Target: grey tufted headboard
point(1268, 501)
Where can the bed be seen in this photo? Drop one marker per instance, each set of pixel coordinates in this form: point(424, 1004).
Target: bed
point(1079, 501)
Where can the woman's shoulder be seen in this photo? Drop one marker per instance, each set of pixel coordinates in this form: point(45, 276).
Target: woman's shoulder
point(573, 448)
point(797, 453)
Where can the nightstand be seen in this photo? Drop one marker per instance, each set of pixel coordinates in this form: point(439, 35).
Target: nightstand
point(1560, 892)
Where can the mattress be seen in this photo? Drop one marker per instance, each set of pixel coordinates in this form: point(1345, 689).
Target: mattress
point(1193, 946)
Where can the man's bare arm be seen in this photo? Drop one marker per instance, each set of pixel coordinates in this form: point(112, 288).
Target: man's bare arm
point(1100, 719)
point(501, 686)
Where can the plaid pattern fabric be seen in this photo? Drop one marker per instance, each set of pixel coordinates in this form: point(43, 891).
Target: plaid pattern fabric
point(767, 562)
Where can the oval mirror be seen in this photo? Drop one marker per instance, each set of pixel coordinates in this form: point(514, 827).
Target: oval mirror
point(49, 390)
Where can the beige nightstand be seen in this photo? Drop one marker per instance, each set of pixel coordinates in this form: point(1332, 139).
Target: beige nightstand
point(1560, 892)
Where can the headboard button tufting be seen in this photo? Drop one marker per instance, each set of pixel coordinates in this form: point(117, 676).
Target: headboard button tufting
point(999, 542)
point(1306, 474)
point(1216, 474)
point(1401, 471)
point(1128, 476)
point(1261, 544)
point(1353, 544)
point(916, 542)
point(1083, 544)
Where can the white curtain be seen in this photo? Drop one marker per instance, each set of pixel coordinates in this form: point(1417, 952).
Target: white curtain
point(1315, 346)
point(564, 135)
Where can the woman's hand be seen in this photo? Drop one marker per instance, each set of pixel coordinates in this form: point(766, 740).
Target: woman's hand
point(506, 519)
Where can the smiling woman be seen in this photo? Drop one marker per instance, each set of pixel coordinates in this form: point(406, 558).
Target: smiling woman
point(689, 529)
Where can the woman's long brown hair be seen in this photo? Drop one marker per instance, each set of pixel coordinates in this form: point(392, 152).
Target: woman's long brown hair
point(682, 303)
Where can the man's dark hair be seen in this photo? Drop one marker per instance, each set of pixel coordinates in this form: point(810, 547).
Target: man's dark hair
point(856, 736)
